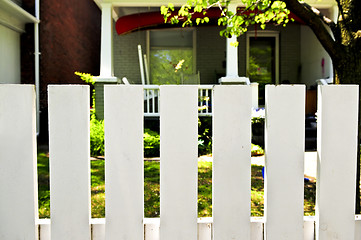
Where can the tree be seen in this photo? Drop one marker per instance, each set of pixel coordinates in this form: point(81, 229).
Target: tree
point(341, 39)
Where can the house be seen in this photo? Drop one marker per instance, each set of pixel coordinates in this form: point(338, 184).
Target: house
point(13, 20)
point(290, 54)
point(45, 42)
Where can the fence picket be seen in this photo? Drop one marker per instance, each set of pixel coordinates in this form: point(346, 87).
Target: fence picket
point(124, 105)
point(284, 147)
point(69, 162)
point(18, 178)
point(178, 166)
point(231, 162)
point(337, 149)
point(124, 181)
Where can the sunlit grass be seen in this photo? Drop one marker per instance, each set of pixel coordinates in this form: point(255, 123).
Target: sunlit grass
point(152, 189)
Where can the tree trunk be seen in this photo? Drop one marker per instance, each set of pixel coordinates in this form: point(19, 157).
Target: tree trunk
point(348, 71)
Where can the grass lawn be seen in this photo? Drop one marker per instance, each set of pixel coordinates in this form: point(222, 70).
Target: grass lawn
point(151, 189)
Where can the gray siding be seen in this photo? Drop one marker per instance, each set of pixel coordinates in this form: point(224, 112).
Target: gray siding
point(126, 61)
point(211, 54)
point(290, 53)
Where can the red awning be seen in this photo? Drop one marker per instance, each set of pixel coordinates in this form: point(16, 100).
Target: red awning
point(139, 21)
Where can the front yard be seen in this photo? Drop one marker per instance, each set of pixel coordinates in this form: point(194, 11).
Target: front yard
point(152, 187)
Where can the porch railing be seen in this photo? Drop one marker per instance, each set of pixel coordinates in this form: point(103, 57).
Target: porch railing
point(152, 99)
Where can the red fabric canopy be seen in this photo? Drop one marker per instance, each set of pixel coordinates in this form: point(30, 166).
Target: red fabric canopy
point(138, 21)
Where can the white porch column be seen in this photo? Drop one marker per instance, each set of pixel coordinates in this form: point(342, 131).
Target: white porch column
point(232, 59)
point(106, 51)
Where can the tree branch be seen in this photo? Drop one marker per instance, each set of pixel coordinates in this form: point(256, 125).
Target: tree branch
point(317, 25)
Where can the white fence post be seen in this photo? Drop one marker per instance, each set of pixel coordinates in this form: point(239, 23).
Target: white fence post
point(178, 164)
point(18, 178)
point(337, 149)
point(232, 162)
point(124, 180)
point(69, 162)
point(284, 148)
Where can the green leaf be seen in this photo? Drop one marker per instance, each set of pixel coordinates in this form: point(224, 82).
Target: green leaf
point(171, 6)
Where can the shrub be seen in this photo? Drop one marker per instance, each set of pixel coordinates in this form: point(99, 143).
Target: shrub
point(204, 136)
point(151, 143)
point(256, 150)
point(96, 137)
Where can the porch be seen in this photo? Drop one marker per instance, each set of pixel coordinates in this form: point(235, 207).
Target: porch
point(167, 53)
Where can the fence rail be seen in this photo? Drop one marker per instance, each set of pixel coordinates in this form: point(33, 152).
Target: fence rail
point(231, 112)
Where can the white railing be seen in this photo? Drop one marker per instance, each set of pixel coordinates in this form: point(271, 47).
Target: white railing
point(152, 98)
point(124, 112)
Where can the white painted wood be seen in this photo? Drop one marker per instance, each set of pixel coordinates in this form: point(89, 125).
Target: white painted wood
point(358, 227)
point(336, 173)
point(205, 228)
point(309, 228)
point(69, 161)
point(255, 94)
point(179, 163)
point(44, 229)
point(151, 228)
point(284, 146)
point(257, 225)
point(124, 180)
point(98, 228)
point(232, 51)
point(106, 49)
point(231, 161)
point(18, 172)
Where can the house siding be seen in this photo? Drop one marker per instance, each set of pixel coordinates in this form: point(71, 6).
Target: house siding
point(126, 60)
point(290, 53)
point(10, 56)
point(211, 54)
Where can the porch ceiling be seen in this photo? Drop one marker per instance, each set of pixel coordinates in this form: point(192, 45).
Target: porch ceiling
point(13, 16)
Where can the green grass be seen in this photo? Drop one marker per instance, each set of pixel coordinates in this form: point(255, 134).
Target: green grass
point(152, 189)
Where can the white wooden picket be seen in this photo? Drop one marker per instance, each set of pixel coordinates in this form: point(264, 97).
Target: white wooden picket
point(18, 178)
point(284, 147)
point(337, 149)
point(231, 162)
point(124, 181)
point(179, 162)
point(69, 149)
point(69, 162)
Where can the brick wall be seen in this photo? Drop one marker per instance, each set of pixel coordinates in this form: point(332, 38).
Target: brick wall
point(69, 41)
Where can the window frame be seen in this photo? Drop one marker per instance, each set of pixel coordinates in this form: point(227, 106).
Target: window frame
point(194, 45)
point(266, 33)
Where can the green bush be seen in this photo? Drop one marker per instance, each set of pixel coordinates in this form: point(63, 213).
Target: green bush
point(151, 143)
point(96, 137)
point(204, 136)
point(256, 150)
point(151, 140)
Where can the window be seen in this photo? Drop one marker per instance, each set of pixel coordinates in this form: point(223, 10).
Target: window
point(263, 59)
point(171, 55)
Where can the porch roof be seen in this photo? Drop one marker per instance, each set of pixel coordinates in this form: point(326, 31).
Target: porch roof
point(14, 17)
point(157, 3)
point(132, 22)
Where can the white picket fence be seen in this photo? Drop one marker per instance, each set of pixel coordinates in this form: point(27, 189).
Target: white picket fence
point(284, 184)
